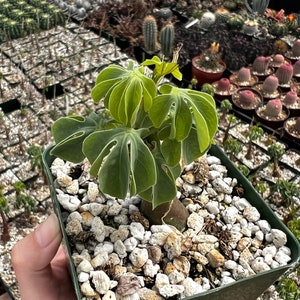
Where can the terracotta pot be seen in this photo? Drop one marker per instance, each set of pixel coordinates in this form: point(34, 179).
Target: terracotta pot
point(204, 76)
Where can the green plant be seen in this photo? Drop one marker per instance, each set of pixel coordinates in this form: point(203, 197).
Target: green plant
point(150, 34)
point(166, 37)
point(210, 59)
point(232, 147)
point(257, 6)
point(255, 133)
point(294, 226)
point(36, 158)
point(5, 237)
point(23, 200)
point(225, 107)
point(146, 128)
point(231, 120)
point(275, 151)
point(288, 289)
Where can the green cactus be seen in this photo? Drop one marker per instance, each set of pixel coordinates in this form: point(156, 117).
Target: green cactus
point(59, 18)
point(150, 34)
point(257, 6)
point(167, 35)
point(12, 29)
point(278, 29)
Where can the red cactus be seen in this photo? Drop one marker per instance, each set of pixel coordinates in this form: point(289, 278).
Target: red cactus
point(270, 84)
point(223, 84)
point(244, 75)
point(285, 73)
point(290, 98)
point(246, 98)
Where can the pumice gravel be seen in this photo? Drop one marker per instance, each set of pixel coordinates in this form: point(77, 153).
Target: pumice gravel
point(119, 255)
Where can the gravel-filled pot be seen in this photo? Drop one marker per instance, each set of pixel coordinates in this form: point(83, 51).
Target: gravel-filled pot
point(219, 199)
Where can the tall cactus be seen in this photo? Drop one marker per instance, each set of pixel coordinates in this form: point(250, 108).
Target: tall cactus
point(257, 6)
point(166, 37)
point(150, 34)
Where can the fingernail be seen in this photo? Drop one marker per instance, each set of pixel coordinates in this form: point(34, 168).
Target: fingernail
point(47, 231)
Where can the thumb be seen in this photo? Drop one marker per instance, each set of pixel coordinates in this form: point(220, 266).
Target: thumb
point(32, 255)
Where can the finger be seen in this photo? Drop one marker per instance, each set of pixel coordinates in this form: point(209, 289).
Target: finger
point(31, 258)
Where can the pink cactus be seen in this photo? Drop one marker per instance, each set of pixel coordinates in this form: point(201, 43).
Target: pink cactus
point(285, 73)
point(244, 75)
point(273, 108)
point(261, 64)
point(296, 68)
point(270, 84)
point(278, 58)
point(296, 48)
point(290, 98)
point(223, 84)
point(247, 98)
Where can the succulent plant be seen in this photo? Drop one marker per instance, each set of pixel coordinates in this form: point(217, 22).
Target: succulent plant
point(223, 84)
point(278, 59)
point(235, 21)
point(296, 68)
point(278, 29)
point(280, 46)
point(207, 19)
point(290, 98)
point(296, 48)
point(273, 108)
point(250, 27)
point(284, 73)
point(270, 84)
point(166, 37)
point(244, 74)
point(257, 6)
point(247, 98)
point(150, 34)
point(261, 64)
point(222, 14)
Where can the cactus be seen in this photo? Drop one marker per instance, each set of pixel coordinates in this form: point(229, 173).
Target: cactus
point(247, 98)
point(235, 21)
point(257, 6)
point(278, 59)
point(273, 108)
point(270, 84)
point(250, 27)
point(166, 36)
point(207, 19)
point(278, 29)
point(296, 48)
point(222, 14)
point(261, 64)
point(290, 98)
point(223, 85)
point(244, 74)
point(150, 33)
point(296, 68)
point(284, 73)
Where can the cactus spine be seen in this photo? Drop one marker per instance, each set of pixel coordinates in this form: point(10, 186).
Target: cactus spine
point(166, 36)
point(150, 34)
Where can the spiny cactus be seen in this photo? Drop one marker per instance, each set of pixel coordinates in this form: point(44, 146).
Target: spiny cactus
point(247, 98)
point(290, 98)
point(207, 19)
point(270, 84)
point(278, 29)
point(261, 64)
point(244, 74)
point(273, 108)
point(257, 6)
point(296, 68)
point(150, 34)
point(166, 36)
point(296, 48)
point(223, 85)
point(284, 73)
point(278, 59)
point(235, 21)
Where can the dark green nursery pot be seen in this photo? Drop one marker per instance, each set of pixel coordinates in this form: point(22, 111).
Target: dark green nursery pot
point(249, 288)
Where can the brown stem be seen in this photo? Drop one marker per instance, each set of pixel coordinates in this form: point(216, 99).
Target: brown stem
point(249, 151)
point(5, 232)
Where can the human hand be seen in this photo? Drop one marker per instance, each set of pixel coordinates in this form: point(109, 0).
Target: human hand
point(41, 264)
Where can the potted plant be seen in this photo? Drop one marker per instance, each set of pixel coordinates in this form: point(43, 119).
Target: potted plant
point(135, 143)
point(208, 66)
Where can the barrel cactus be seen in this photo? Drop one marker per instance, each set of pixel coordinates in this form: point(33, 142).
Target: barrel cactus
point(261, 64)
point(270, 85)
point(273, 108)
point(296, 48)
point(257, 6)
point(278, 29)
point(284, 73)
point(235, 21)
point(247, 98)
point(290, 98)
